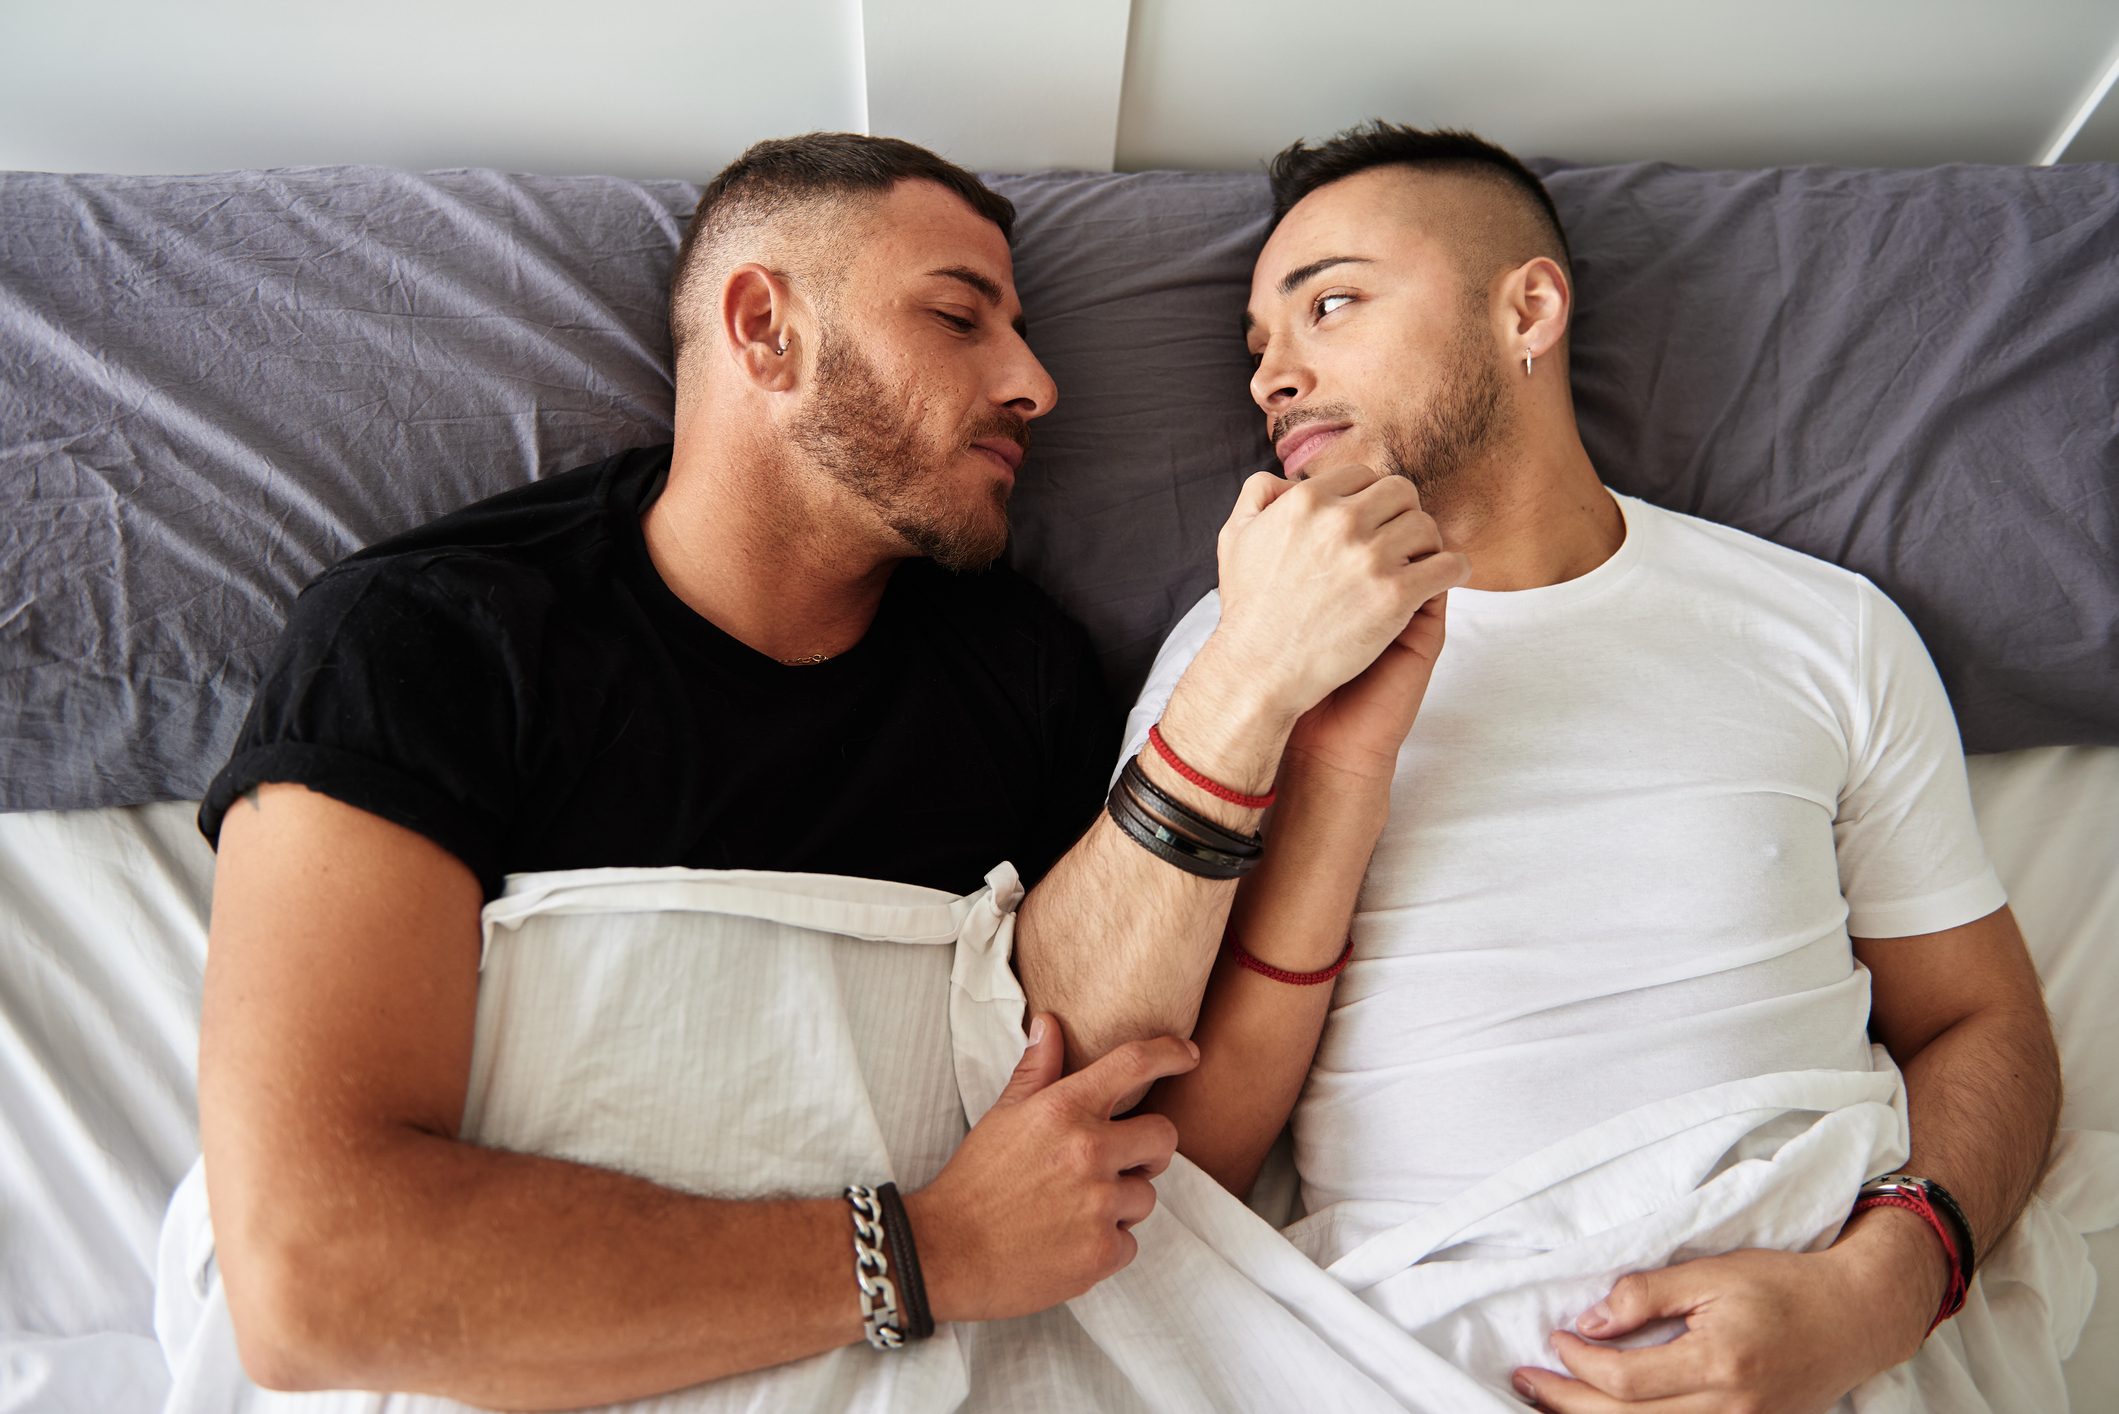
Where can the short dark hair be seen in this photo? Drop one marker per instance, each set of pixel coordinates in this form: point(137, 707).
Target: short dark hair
point(1301, 168)
point(779, 175)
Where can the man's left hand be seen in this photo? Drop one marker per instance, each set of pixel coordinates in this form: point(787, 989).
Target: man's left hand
point(1765, 1331)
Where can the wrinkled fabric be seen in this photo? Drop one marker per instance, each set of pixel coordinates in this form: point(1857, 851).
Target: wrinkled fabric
point(212, 387)
point(744, 1034)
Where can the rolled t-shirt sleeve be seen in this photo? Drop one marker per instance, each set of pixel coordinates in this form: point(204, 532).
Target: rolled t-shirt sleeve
point(1910, 856)
point(1171, 660)
point(398, 690)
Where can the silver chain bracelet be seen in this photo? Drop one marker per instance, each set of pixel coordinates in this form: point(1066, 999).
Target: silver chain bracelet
point(871, 1271)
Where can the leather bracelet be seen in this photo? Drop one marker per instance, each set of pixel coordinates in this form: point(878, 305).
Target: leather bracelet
point(1167, 844)
point(1946, 1204)
point(918, 1321)
point(1207, 832)
point(1933, 1204)
point(1943, 1201)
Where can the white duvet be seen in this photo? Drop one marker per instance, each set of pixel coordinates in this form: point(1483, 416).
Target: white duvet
point(739, 1033)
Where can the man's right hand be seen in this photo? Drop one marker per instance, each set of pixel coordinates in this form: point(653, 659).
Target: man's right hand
point(1035, 1206)
point(1319, 576)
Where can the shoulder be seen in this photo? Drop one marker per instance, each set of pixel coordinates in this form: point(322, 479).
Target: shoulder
point(1702, 558)
point(501, 564)
point(538, 522)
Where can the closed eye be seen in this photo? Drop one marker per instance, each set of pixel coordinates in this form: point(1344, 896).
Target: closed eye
point(956, 321)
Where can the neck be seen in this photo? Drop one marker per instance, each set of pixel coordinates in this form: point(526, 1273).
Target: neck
point(763, 551)
point(1531, 513)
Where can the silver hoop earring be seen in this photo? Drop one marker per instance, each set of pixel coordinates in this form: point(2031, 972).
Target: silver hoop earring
point(1526, 363)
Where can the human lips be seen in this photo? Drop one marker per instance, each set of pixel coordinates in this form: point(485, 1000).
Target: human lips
point(1303, 444)
point(1009, 454)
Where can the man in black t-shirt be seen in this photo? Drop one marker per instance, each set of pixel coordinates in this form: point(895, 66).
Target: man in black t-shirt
point(777, 644)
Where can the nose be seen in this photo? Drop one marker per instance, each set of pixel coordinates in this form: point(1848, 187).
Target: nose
point(1026, 389)
point(1280, 381)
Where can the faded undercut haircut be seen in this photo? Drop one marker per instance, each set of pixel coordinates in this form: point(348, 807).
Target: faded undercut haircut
point(1302, 168)
point(801, 185)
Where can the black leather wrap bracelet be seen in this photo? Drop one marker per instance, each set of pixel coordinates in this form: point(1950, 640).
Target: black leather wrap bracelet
point(905, 1264)
point(1181, 836)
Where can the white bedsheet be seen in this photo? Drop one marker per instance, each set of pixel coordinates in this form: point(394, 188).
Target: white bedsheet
point(829, 995)
point(102, 942)
point(102, 939)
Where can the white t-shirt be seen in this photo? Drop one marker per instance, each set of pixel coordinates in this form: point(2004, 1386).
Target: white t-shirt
point(1631, 832)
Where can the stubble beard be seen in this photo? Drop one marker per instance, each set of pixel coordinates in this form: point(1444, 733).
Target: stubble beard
point(859, 431)
point(1465, 417)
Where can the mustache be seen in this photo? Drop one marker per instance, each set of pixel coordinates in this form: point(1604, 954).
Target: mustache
point(1279, 427)
point(1001, 424)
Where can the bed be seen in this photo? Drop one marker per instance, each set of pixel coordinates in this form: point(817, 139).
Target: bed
point(211, 387)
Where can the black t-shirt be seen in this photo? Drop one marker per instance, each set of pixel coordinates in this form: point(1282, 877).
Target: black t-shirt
point(516, 682)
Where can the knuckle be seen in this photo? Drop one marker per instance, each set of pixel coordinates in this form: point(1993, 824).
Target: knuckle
point(1134, 1056)
point(1081, 1151)
point(1119, 1250)
point(1725, 1369)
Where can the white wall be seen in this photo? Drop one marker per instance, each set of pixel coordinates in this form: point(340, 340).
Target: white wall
point(665, 88)
point(676, 87)
point(1703, 82)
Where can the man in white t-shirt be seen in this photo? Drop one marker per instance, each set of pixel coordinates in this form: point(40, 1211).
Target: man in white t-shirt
point(1670, 784)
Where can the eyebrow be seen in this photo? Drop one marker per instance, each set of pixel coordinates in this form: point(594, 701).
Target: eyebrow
point(986, 288)
point(1291, 281)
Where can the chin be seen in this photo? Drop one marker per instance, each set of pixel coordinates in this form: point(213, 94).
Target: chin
point(962, 544)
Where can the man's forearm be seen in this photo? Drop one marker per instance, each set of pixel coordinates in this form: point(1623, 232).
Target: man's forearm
point(514, 1281)
point(1983, 1090)
point(1116, 942)
point(1258, 1035)
point(1984, 1098)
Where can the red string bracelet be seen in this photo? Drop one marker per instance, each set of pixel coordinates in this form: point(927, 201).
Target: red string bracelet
point(1953, 1298)
point(1213, 788)
point(1281, 974)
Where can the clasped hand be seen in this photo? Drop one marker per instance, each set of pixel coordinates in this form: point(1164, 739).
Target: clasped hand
point(1038, 1203)
point(1333, 591)
point(1778, 1332)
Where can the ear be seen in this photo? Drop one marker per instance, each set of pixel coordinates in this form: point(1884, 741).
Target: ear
point(1539, 305)
point(757, 327)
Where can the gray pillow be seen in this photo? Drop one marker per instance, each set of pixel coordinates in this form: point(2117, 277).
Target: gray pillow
point(212, 387)
point(1911, 373)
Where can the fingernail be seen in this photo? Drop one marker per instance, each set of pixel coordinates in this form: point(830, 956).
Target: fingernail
point(1037, 1030)
point(1526, 1389)
point(1595, 1318)
point(1193, 1047)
